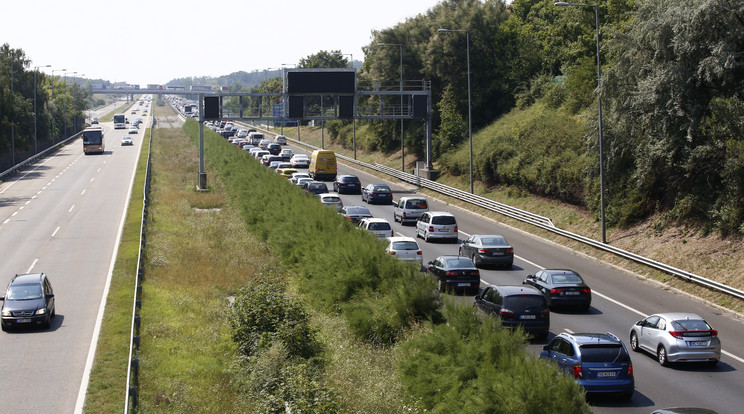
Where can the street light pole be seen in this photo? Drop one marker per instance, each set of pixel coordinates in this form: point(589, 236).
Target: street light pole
point(470, 125)
point(36, 70)
point(599, 114)
point(402, 142)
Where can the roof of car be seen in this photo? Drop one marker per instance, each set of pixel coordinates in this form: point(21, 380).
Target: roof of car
point(27, 278)
point(560, 271)
point(676, 316)
point(517, 290)
point(440, 213)
point(401, 238)
point(592, 338)
point(375, 220)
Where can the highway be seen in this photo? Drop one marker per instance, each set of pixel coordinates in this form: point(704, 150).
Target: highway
point(62, 216)
point(619, 300)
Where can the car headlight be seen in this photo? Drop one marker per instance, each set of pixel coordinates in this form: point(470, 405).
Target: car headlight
point(41, 311)
point(6, 313)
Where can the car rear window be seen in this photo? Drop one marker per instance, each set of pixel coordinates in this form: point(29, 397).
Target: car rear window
point(567, 278)
point(350, 180)
point(405, 245)
point(520, 302)
point(379, 226)
point(453, 263)
point(443, 220)
point(691, 325)
point(416, 204)
point(381, 188)
point(331, 200)
point(603, 353)
point(357, 210)
point(491, 241)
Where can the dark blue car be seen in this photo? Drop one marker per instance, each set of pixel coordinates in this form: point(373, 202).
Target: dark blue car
point(348, 184)
point(28, 301)
point(598, 361)
point(377, 193)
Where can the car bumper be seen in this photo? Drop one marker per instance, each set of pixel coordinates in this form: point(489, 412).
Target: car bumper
point(462, 283)
point(568, 301)
point(537, 328)
point(489, 260)
point(676, 354)
point(622, 386)
point(24, 321)
point(380, 200)
point(438, 235)
point(349, 190)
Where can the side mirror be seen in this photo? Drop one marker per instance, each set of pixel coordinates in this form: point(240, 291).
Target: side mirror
point(395, 203)
point(2, 298)
point(51, 295)
point(530, 276)
point(477, 297)
point(546, 348)
point(430, 263)
point(639, 323)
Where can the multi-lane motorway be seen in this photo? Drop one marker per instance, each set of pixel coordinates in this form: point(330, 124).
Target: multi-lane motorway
point(62, 217)
point(619, 300)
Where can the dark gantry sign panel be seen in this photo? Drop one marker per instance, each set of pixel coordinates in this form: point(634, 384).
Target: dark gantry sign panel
point(320, 82)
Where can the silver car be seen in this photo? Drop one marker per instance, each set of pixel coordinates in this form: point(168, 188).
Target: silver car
point(676, 337)
point(437, 225)
point(377, 226)
point(406, 249)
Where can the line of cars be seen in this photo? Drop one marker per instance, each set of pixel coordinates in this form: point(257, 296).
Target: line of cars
point(600, 362)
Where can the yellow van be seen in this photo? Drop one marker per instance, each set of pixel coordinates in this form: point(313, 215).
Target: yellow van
point(323, 165)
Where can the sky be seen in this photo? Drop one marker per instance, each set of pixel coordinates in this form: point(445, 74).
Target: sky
point(152, 42)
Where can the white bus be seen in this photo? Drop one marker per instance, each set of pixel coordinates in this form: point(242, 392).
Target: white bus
point(120, 121)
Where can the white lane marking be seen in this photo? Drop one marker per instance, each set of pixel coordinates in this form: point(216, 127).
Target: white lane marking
point(6, 221)
point(83, 192)
point(32, 265)
point(71, 208)
point(55, 231)
point(91, 180)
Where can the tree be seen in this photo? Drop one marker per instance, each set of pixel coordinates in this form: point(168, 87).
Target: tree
point(324, 59)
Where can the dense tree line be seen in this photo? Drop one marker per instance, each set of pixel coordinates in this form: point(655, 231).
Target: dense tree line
point(59, 107)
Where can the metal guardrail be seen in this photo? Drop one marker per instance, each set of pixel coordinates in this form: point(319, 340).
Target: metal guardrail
point(132, 386)
point(535, 220)
point(33, 158)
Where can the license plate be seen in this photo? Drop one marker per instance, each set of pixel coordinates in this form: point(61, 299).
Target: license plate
point(699, 343)
point(528, 317)
point(463, 284)
point(606, 374)
point(23, 320)
point(572, 293)
point(444, 230)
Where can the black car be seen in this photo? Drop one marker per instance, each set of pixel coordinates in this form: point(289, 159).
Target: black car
point(561, 287)
point(488, 249)
point(517, 305)
point(454, 272)
point(274, 149)
point(316, 187)
point(355, 213)
point(28, 301)
point(377, 193)
point(347, 184)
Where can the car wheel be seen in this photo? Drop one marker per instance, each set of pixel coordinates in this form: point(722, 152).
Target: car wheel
point(2, 326)
point(54, 312)
point(48, 323)
point(426, 237)
point(634, 341)
point(712, 363)
point(474, 261)
point(661, 356)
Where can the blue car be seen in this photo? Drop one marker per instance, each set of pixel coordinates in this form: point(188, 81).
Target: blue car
point(599, 362)
point(377, 193)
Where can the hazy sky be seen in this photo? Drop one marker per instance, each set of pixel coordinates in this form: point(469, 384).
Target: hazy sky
point(154, 41)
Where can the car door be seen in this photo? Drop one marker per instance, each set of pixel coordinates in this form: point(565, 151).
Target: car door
point(467, 246)
point(435, 268)
point(649, 333)
point(48, 295)
point(558, 351)
point(422, 224)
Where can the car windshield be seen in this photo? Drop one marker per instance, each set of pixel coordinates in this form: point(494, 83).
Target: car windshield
point(457, 262)
point(567, 279)
point(405, 245)
point(379, 226)
point(443, 220)
point(603, 353)
point(493, 241)
point(24, 292)
point(691, 325)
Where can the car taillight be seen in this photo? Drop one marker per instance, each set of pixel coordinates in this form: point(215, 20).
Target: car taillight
point(483, 251)
point(372, 194)
point(576, 369)
point(392, 233)
point(450, 274)
point(474, 273)
point(676, 334)
point(506, 312)
point(431, 228)
point(510, 250)
point(455, 229)
point(586, 290)
point(392, 252)
point(630, 370)
point(419, 252)
point(554, 291)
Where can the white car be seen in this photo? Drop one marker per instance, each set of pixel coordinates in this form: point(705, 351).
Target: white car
point(406, 249)
point(127, 140)
point(377, 226)
point(437, 225)
point(133, 130)
point(242, 133)
point(287, 154)
point(301, 181)
point(281, 140)
point(300, 161)
point(332, 200)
